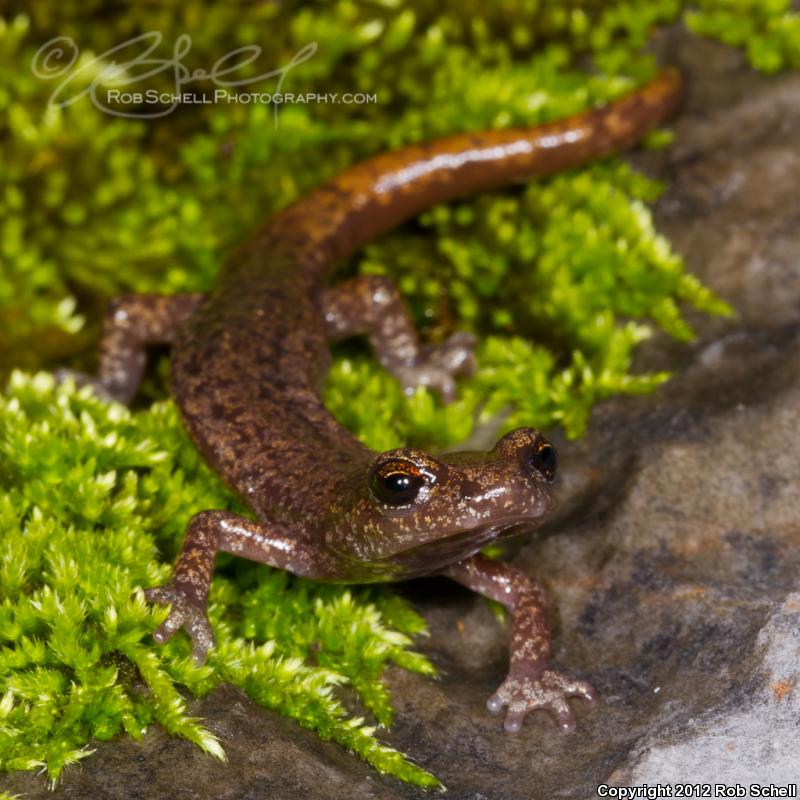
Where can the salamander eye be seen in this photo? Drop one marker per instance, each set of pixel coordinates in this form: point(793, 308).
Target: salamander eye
point(397, 483)
point(544, 459)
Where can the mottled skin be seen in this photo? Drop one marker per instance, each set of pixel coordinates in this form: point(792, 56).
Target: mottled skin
point(248, 362)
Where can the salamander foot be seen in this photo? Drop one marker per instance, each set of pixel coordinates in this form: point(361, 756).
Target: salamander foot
point(437, 366)
point(185, 613)
point(548, 691)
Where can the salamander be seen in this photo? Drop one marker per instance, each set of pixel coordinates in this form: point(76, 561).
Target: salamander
point(248, 360)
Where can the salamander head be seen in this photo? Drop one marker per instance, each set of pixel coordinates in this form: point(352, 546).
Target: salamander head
point(413, 513)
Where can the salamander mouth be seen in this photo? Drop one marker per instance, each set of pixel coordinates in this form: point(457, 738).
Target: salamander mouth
point(462, 544)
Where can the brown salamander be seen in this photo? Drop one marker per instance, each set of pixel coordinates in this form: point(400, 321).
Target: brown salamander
point(248, 361)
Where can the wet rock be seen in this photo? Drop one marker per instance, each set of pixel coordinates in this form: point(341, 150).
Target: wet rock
point(671, 565)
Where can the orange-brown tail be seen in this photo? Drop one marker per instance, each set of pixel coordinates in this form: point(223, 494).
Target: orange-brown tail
point(379, 193)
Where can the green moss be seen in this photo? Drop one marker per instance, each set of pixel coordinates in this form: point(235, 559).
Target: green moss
point(767, 29)
point(560, 280)
point(91, 494)
point(562, 263)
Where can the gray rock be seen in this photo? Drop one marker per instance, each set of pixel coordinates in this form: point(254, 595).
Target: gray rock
point(671, 567)
point(754, 745)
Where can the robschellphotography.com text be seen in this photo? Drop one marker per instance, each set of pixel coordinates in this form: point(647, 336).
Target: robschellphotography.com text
point(153, 96)
point(697, 790)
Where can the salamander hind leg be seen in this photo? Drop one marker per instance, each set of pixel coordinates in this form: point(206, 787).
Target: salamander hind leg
point(132, 324)
point(531, 683)
point(371, 305)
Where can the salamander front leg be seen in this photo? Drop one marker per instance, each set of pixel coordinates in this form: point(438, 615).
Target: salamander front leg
point(132, 323)
point(208, 533)
point(371, 305)
point(530, 684)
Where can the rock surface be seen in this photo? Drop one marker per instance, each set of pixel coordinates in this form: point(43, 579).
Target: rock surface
point(670, 568)
point(754, 744)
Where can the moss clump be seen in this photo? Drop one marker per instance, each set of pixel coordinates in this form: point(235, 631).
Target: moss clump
point(768, 30)
point(90, 493)
point(562, 263)
point(561, 281)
